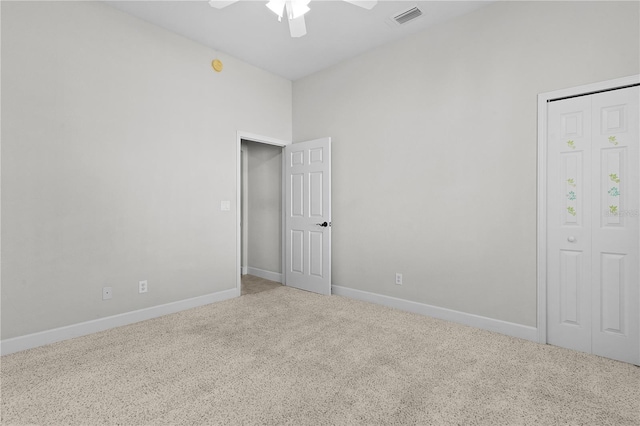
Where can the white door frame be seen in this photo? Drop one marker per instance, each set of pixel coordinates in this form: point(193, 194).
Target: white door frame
point(543, 99)
point(244, 229)
point(240, 136)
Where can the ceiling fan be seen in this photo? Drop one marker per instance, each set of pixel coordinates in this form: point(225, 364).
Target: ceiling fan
point(295, 10)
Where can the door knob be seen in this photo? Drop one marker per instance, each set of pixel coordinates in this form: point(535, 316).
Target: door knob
point(323, 224)
point(571, 239)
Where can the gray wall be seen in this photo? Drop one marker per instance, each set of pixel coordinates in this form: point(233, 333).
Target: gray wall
point(434, 148)
point(264, 250)
point(118, 145)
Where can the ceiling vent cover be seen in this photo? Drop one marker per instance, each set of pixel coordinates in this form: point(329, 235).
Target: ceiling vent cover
point(407, 15)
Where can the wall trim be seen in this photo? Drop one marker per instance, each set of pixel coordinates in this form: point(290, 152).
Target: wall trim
point(267, 275)
point(29, 341)
point(477, 321)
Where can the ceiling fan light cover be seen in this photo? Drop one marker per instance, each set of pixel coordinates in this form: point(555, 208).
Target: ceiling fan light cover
point(277, 7)
point(299, 8)
point(295, 8)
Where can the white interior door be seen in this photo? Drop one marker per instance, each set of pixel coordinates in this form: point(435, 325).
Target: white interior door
point(593, 249)
point(308, 215)
point(615, 233)
point(569, 224)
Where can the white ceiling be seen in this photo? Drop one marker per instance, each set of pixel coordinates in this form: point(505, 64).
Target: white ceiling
point(336, 30)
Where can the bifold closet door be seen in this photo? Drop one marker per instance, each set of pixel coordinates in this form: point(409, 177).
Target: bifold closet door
point(593, 233)
point(615, 231)
point(569, 224)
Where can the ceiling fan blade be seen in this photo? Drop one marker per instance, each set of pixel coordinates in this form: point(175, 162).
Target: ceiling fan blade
point(297, 27)
point(367, 4)
point(219, 4)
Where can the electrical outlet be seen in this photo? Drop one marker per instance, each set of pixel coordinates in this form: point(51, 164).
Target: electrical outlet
point(143, 286)
point(107, 293)
point(398, 278)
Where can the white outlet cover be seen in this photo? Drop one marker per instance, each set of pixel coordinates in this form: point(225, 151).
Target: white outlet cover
point(398, 278)
point(143, 286)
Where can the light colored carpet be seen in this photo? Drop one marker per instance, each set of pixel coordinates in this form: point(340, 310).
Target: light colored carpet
point(252, 284)
point(290, 357)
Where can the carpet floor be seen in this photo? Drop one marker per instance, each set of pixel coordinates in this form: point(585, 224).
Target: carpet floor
point(286, 356)
point(252, 284)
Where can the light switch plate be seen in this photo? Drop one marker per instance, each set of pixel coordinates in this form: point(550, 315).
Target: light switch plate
point(225, 206)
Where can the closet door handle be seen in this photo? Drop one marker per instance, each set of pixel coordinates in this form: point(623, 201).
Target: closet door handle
point(323, 224)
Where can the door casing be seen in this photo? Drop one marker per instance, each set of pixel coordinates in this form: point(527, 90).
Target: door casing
point(543, 100)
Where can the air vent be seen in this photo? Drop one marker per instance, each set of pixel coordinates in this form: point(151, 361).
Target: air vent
point(408, 15)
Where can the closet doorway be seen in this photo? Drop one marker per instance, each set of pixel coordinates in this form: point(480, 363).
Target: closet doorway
point(261, 210)
point(260, 206)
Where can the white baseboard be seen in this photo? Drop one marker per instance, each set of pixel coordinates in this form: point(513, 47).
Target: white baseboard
point(21, 343)
point(267, 275)
point(244, 270)
point(16, 344)
point(499, 326)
